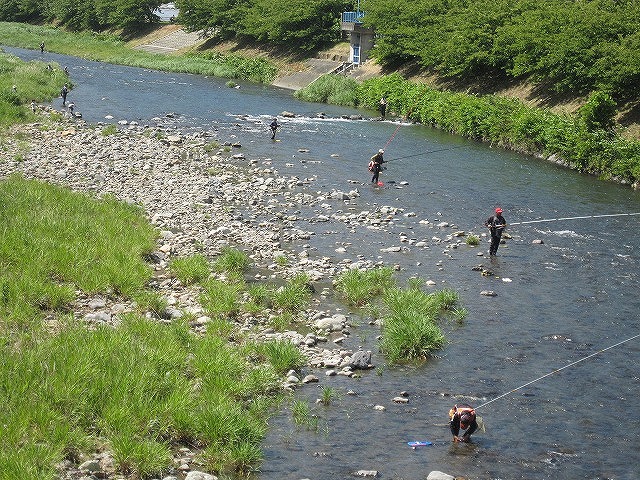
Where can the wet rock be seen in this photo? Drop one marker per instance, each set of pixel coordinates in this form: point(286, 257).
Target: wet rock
point(286, 114)
point(488, 293)
point(366, 473)
point(361, 360)
point(90, 466)
point(436, 475)
point(400, 400)
point(537, 242)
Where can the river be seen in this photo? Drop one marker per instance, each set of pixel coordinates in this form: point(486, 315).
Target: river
point(567, 298)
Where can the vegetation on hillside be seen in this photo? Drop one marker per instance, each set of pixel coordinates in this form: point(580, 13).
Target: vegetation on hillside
point(112, 49)
point(570, 46)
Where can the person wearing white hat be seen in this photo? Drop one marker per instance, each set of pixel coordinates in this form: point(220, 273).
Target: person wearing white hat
point(375, 165)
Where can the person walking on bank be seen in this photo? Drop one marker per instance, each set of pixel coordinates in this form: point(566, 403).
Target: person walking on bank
point(63, 93)
point(41, 47)
point(496, 224)
point(463, 417)
point(274, 126)
point(375, 165)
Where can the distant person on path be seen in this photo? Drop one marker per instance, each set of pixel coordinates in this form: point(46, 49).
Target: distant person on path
point(274, 126)
point(375, 165)
point(41, 47)
point(463, 417)
point(63, 93)
point(496, 224)
point(33, 106)
point(382, 107)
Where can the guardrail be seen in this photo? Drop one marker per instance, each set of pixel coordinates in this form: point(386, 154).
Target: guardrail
point(352, 17)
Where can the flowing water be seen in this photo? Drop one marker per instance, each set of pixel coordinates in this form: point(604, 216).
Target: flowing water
point(568, 298)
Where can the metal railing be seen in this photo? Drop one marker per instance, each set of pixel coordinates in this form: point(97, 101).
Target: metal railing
point(352, 17)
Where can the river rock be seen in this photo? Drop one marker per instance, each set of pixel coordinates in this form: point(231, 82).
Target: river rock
point(488, 293)
point(436, 475)
point(195, 475)
point(90, 466)
point(361, 360)
point(366, 473)
point(537, 242)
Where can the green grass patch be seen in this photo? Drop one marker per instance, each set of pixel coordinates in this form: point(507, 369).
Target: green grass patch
point(232, 261)
point(294, 296)
point(410, 329)
point(54, 242)
point(33, 81)
point(140, 389)
point(110, 48)
point(358, 287)
point(333, 89)
point(472, 240)
point(282, 355)
point(192, 269)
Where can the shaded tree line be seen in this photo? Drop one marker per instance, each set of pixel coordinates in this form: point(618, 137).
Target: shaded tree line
point(572, 46)
point(96, 15)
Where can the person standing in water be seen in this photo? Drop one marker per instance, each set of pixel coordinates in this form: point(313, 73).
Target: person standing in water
point(274, 126)
point(496, 224)
point(375, 165)
point(382, 107)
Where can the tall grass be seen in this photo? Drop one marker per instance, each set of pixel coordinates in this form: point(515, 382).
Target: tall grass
point(333, 89)
point(111, 49)
point(410, 329)
point(232, 261)
point(192, 269)
point(282, 355)
point(142, 388)
point(54, 241)
point(294, 296)
point(358, 287)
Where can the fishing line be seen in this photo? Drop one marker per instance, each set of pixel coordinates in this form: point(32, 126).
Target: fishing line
point(574, 218)
point(424, 153)
point(557, 370)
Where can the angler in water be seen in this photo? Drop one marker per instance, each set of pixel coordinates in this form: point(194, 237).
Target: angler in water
point(496, 224)
point(463, 417)
point(375, 165)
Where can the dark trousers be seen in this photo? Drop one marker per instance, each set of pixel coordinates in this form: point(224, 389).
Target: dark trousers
point(495, 243)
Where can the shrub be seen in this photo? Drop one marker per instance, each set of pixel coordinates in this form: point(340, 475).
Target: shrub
point(473, 240)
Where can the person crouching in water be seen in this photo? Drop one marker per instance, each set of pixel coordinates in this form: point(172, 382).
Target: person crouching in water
point(463, 417)
point(375, 165)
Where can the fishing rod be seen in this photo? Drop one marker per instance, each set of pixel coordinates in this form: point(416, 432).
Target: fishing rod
point(424, 153)
point(574, 218)
point(557, 370)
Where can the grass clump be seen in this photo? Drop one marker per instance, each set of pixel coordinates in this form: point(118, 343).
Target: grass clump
point(472, 240)
point(294, 296)
point(282, 355)
point(232, 261)
point(70, 246)
point(333, 89)
point(109, 130)
point(410, 329)
point(192, 269)
point(358, 287)
point(221, 299)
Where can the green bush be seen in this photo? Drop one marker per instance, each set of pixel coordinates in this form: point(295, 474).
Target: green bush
point(232, 261)
point(333, 89)
point(358, 287)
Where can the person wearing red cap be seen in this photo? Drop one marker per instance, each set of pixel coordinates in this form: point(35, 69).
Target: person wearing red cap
point(463, 417)
point(496, 224)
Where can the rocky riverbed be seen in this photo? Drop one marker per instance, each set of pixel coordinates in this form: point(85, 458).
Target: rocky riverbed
point(204, 193)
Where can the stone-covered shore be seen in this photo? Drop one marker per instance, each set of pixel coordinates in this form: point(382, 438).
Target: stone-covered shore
point(200, 199)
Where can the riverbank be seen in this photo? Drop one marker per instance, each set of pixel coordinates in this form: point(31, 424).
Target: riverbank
point(195, 189)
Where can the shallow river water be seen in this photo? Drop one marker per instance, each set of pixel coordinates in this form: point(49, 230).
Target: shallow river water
point(568, 298)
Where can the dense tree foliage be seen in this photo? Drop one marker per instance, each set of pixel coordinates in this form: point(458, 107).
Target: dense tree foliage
point(82, 14)
point(296, 24)
point(571, 45)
